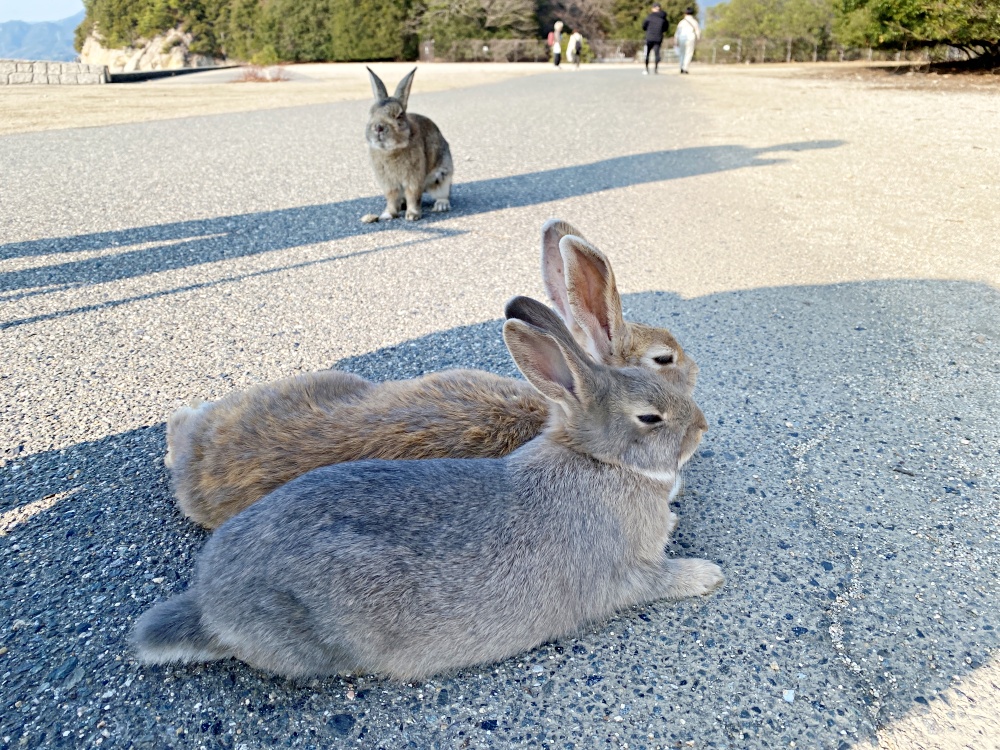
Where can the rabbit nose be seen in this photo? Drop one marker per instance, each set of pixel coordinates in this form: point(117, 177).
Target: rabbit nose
point(379, 129)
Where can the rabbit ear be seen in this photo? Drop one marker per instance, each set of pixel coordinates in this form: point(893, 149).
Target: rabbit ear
point(552, 266)
point(593, 297)
point(403, 89)
point(378, 88)
point(545, 352)
point(541, 360)
point(535, 314)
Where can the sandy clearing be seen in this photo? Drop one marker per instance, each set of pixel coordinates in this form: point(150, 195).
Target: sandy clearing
point(25, 109)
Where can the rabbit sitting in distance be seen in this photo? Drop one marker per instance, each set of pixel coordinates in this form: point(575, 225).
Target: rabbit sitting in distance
point(412, 568)
point(225, 455)
point(409, 155)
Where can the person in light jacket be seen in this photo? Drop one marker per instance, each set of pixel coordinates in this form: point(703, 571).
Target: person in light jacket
point(685, 37)
point(575, 48)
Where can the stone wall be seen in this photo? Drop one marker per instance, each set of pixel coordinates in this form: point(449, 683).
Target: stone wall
point(26, 71)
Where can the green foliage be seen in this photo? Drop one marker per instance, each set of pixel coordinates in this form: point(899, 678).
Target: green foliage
point(890, 24)
point(970, 24)
point(448, 21)
point(627, 17)
point(371, 30)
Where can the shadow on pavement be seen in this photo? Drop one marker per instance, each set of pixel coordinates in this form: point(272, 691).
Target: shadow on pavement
point(190, 243)
point(847, 486)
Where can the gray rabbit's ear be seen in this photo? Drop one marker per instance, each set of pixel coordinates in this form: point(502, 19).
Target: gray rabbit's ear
point(378, 88)
point(537, 315)
point(553, 276)
point(593, 298)
point(542, 361)
point(403, 89)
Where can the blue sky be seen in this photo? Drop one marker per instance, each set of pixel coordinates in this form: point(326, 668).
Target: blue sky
point(38, 10)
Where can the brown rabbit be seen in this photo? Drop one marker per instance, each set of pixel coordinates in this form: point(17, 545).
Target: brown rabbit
point(413, 568)
point(225, 455)
point(409, 155)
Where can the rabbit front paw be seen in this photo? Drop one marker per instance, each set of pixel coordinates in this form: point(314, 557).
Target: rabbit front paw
point(690, 577)
point(369, 218)
point(412, 215)
point(442, 204)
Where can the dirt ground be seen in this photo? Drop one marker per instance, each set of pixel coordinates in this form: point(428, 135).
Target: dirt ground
point(25, 109)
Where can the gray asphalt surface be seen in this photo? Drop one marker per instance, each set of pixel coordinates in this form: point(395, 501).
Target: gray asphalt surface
point(826, 250)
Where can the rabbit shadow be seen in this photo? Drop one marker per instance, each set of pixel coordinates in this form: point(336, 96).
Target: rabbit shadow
point(856, 528)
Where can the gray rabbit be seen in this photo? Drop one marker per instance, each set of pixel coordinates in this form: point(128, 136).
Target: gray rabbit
point(411, 568)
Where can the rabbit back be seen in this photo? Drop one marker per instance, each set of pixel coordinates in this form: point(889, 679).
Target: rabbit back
point(226, 455)
point(404, 568)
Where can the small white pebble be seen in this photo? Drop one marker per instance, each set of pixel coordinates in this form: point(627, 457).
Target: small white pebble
point(789, 696)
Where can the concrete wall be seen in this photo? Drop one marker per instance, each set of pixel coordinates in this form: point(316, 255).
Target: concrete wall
point(26, 71)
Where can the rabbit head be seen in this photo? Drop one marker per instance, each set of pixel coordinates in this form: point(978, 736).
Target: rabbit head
point(628, 416)
point(581, 285)
point(389, 129)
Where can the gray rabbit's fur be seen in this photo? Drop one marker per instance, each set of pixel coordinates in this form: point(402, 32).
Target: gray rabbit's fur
point(409, 155)
point(411, 568)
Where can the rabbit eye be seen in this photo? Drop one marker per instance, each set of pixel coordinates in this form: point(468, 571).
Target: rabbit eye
point(664, 359)
point(650, 418)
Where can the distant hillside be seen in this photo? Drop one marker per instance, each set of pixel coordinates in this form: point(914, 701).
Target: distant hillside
point(49, 40)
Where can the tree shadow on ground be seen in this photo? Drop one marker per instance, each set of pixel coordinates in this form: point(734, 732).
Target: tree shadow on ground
point(847, 486)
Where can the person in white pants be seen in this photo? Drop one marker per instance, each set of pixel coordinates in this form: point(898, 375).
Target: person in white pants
point(685, 37)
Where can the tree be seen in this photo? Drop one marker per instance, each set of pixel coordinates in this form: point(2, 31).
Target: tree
point(627, 16)
point(371, 30)
point(593, 18)
point(446, 21)
point(971, 25)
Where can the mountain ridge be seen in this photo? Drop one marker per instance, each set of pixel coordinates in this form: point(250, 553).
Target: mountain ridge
point(42, 40)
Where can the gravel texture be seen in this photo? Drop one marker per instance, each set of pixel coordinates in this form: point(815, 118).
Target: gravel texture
point(825, 249)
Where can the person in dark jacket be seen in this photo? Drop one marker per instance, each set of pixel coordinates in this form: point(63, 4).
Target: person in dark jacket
point(655, 27)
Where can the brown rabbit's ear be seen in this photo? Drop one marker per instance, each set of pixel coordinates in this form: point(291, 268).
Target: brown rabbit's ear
point(544, 362)
point(378, 88)
point(403, 89)
point(593, 297)
point(553, 276)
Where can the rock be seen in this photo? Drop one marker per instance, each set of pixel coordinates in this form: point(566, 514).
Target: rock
point(169, 50)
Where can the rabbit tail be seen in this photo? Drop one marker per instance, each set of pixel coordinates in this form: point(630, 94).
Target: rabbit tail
point(180, 427)
point(172, 631)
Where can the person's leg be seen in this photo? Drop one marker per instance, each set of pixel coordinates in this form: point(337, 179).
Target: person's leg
point(688, 54)
point(656, 57)
point(647, 51)
point(681, 51)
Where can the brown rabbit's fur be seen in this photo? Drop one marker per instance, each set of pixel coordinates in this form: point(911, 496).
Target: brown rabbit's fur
point(225, 455)
point(258, 439)
point(408, 153)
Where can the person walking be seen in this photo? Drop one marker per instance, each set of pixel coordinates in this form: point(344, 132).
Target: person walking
point(685, 37)
point(555, 42)
point(574, 49)
point(655, 27)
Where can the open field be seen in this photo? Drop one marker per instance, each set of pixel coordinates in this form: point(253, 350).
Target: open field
point(32, 108)
point(823, 246)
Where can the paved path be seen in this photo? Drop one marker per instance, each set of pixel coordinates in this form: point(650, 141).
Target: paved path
point(825, 249)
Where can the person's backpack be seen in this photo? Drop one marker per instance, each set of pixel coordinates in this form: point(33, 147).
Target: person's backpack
point(551, 38)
